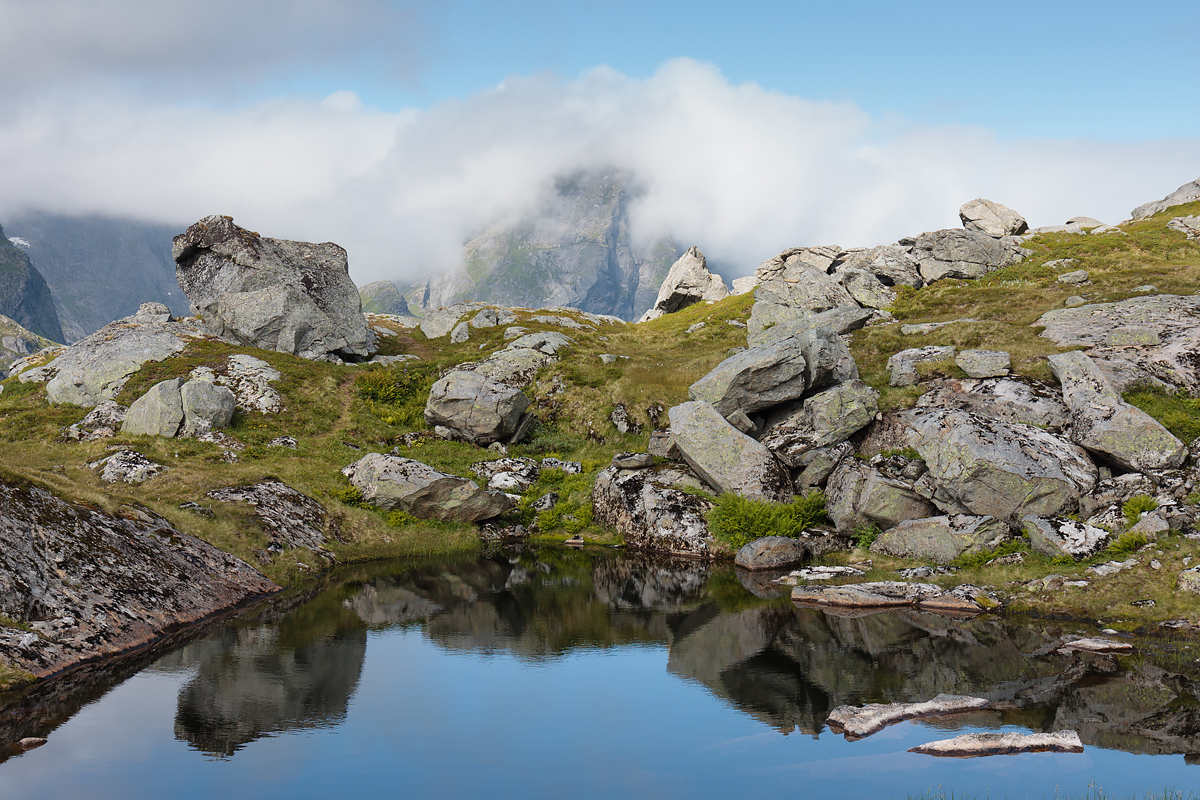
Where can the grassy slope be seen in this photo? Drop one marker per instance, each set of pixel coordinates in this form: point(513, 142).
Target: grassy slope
point(329, 417)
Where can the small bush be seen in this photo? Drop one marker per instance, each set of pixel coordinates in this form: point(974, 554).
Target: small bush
point(977, 560)
point(1126, 543)
point(397, 395)
point(352, 496)
point(738, 521)
point(1137, 505)
point(865, 535)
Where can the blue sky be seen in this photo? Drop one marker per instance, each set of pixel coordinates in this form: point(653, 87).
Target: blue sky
point(399, 128)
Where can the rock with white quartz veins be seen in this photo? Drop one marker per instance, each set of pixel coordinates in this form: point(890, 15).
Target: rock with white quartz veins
point(724, 457)
point(292, 297)
point(403, 484)
point(992, 218)
point(688, 282)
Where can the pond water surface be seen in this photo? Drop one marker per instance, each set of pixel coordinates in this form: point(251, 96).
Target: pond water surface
point(552, 672)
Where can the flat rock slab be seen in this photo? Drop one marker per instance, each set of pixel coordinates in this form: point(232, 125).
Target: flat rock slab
point(902, 367)
point(394, 483)
point(288, 517)
point(1095, 645)
point(819, 573)
point(859, 721)
point(972, 745)
point(891, 594)
point(724, 457)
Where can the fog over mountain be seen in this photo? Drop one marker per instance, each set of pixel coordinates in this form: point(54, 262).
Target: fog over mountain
point(739, 170)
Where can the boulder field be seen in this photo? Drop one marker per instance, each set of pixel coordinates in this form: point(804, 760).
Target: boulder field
point(976, 457)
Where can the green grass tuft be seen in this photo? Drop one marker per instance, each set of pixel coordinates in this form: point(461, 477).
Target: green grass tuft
point(1126, 543)
point(738, 521)
point(1135, 506)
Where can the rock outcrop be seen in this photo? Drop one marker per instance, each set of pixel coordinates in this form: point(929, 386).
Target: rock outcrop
point(650, 510)
point(473, 408)
point(403, 484)
point(992, 219)
point(962, 253)
point(688, 282)
point(941, 539)
point(292, 297)
point(180, 407)
point(1188, 193)
point(25, 296)
point(154, 578)
point(724, 457)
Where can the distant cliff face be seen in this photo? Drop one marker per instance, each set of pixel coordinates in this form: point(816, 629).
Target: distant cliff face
point(100, 268)
point(24, 294)
point(382, 297)
point(575, 250)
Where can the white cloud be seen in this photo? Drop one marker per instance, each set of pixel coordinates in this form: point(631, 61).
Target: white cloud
point(741, 171)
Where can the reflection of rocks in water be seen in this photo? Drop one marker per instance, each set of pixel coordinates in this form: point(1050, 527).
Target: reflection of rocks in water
point(252, 682)
point(641, 582)
point(384, 605)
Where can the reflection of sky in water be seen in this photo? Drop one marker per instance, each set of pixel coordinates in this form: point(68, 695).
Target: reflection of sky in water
point(425, 722)
point(405, 686)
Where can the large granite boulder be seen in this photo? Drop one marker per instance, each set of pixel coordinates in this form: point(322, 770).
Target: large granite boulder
point(95, 368)
point(992, 219)
point(403, 484)
point(754, 379)
point(651, 510)
point(941, 539)
point(724, 457)
point(891, 264)
point(1105, 424)
point(820, 420)
point(180, 407)
point(1058, 536)
point(1188, 193)
point(688, 282)
point(769, 323)
point(473, 408)
point(858, 494)
point(961, 253)
point(986, 467)
point(293, 297)
point(771, 552)
point(796, 283)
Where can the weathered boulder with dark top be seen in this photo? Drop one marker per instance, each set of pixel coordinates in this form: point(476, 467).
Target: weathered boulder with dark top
point(688, 282)
point(992, 219)
point(88, 583)
point(726, 458)
point(474, 408)
point(986, 467)
point(403, 484)
point(650, 510)
point(941, 539)
point(292, 297)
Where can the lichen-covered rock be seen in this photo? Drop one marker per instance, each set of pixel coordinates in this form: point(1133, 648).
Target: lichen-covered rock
point(821, 420)
point(858, 494)
point(95, 368)
point(206, 407)
point(127, 466)
point(1015, 399)
point(902, 366)
point(771, 552)
point(474, 408)
point(688, 282)
point(961, 253)
point(754, 379)
point(769, 323)
point(1058, 536)
point(288, 517)
point(984, 363)
point(941, 539)
point(986, 467)
point(292, 297)
point(1189, 581)
point(724, 457)
point(91, 584)
point(403, 484)
point(650, 511)
point(992, 219)
point(159, 412)
point(521, 473)
point(102, 422)
point(1105, 424)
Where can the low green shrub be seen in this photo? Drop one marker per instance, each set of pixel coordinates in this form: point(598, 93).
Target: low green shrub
point(865, 535)
point(1128, 542)
point(1177, 412)
point(1135, 506)
point(738, 521)
point(980, 559)
point(397, 395)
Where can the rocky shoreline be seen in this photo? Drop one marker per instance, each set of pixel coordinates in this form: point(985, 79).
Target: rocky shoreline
point(976, 465)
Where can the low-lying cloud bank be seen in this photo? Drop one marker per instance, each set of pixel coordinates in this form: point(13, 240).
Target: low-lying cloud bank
point(741, 171)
